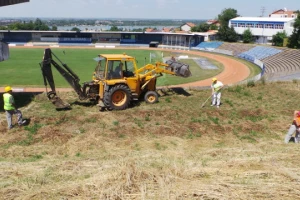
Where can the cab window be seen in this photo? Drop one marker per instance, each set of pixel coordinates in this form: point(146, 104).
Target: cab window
point(100, 68)
point(115, 69)
point(128, 69)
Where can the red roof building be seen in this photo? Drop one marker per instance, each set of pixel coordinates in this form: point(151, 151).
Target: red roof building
point(284, 13)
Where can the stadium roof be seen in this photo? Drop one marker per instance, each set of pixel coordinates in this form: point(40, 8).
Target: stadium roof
point(263, 19)
point(11, 2)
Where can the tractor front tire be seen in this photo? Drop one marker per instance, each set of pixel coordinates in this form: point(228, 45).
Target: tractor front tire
point(118, 97)
point(151, 97)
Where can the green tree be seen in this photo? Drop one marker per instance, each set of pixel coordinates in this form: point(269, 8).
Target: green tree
point(54, 28)
point(37, 25)
point(203, 27)
point(29, 26)
point(75, 29)
point(114, 28)
point(294, 39)
point(226, 15)
point(3, 28)
point(194, 29)
point(247, 36)
point(225, 33)
point(278, 39)
point(213, 27)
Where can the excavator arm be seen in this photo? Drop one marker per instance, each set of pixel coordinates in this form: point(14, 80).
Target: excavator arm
point(65, 71)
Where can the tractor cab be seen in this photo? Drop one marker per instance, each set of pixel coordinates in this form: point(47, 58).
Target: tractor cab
point(115, 66)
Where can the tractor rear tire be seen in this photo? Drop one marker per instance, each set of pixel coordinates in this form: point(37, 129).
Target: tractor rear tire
point(118, 97)
point(151, 97)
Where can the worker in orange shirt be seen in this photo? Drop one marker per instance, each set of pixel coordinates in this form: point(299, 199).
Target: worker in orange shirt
point(294, 128)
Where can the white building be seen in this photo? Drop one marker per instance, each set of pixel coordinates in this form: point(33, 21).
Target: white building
point(263, 28)
point(187, 26)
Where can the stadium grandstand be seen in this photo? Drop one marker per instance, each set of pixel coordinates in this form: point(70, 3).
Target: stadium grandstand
point(4, 48)
point(235, 48)
point(209, 45)
point(283, 65)
point(104, 38)
point(260, 52)
point(276, 63)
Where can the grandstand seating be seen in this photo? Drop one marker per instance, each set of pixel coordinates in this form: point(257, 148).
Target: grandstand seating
point(15, 37)
point(259, 52)
point(286, 62)
point(280, 64)
point(236, 48)
point(209, 45)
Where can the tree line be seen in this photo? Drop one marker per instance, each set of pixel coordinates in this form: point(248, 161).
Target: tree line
point(37, 25)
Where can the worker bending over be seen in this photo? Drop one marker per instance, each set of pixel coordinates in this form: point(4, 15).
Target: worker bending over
point(294, 128)
point(216, 87)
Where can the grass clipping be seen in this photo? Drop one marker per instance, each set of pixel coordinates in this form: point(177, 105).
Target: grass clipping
point(170, 150)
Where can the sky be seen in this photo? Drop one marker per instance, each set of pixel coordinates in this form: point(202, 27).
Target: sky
point(143, 9)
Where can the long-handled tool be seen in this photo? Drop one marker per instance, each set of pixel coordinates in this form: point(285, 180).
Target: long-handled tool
point(206, 101)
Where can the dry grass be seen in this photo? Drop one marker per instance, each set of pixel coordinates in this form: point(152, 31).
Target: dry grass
point(170, 150)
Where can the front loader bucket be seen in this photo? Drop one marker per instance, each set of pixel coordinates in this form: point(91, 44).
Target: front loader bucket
point(180, 69)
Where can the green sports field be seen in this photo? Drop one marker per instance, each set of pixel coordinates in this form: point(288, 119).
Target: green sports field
point(22, 68)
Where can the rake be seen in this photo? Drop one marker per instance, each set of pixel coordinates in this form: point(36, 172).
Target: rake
point(206, 101)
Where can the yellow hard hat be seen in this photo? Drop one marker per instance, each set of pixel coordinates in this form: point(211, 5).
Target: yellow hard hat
point(7, 89)
point(214, 79)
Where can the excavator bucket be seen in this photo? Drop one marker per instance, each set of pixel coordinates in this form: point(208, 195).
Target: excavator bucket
point(180, 69)
point(56, 101)
point(60, 104)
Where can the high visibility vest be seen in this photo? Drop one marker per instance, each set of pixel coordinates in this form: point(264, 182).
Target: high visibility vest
point(217, 86)
point(7, 104)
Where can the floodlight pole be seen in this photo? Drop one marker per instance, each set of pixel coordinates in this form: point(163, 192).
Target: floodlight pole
point(180, 42)
point(167, 41)
point(184, 43)
point(189, 43)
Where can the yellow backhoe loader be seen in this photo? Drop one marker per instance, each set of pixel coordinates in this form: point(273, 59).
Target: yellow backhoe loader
point(116, 80)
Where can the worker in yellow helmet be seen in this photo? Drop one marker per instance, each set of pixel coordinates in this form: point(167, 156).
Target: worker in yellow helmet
point(216, 87)
point(10, 108)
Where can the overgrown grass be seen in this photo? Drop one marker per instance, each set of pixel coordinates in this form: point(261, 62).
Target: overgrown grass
point(170, 150)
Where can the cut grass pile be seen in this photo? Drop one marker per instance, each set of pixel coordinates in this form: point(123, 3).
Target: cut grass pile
point(170, 150)
point(22, 68)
